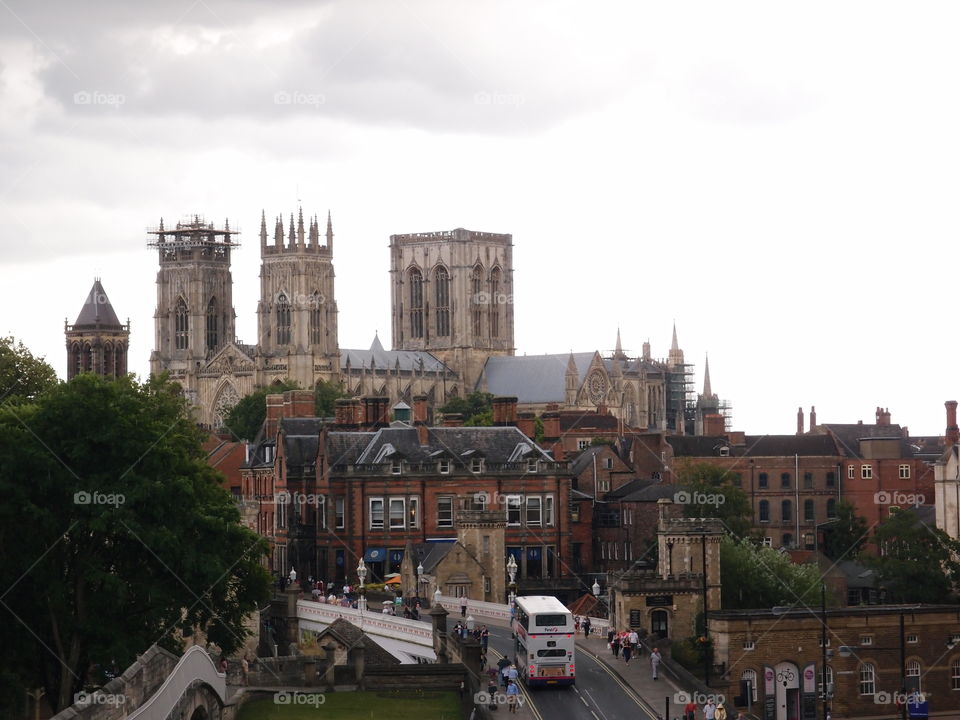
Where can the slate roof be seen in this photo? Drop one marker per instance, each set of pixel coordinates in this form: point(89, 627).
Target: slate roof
point(755, 446)
point(652, 492)
point(97, 309)
point(349, 635)
point(849, 435)
point(630, 487)
point(857, 575)
point(573, 420)
point(377, 357)
point(585, 459)
point(430, 554)
point(533, 378)
point(495, 444)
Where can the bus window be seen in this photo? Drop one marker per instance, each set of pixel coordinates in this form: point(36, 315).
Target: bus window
point(552, 653)
point(549, 620)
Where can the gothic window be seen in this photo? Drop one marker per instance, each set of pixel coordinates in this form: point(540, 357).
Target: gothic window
point(213, 335)
point(119, 364)
point(225, 401)
point(108, 370)
point(597, 387)
point(316, 320)
point(182, 326)
point(495, 303)
point(477, 300)
point(416, 304)
point(87, 358)
point(283, 320)
point(443, 302)
point(77, 359)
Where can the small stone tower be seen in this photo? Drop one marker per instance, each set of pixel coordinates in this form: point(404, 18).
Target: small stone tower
point(97, 342)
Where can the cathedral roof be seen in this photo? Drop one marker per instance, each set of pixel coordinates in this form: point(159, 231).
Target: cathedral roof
point(376, 356)
point(534, 378)
point(97, 309)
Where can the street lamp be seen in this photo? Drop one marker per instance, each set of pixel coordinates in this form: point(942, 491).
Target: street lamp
point(512, 570)
point(362, 574)
point(419, 580)
point(706, 628)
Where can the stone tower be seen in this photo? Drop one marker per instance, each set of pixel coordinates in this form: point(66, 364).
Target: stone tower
point(297, 313)
point(194, 316)
point(97, 342)
point(452, 295)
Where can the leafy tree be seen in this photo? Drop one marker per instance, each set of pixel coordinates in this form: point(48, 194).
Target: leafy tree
point(327, 394)
point(844, 538)
point(601, 441)
point(124, 535)
point(484, 419)
point(712, 491)
point(22, 376)
point(761, 577)
point(538, 433)
point(474, 404)
point(918, 563)
point(246, 417)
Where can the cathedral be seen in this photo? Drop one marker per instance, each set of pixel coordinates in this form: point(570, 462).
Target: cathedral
point(452, 322)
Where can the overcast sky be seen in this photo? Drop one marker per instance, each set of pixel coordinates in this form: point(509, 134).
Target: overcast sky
point(781, 181)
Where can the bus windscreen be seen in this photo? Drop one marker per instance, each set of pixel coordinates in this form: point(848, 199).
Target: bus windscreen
point(545, 620)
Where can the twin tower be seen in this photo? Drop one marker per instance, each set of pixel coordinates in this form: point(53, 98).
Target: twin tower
point(452, 308)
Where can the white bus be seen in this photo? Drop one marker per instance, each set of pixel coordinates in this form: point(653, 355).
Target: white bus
point(545, 636)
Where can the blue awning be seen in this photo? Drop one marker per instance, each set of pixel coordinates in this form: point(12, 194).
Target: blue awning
point(375, 555)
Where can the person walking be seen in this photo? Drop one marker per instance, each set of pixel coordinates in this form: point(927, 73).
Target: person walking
point(245, 668)
point(463, 606)
point(504, 679)
point(484, 637)
point(634, 640)
point(627, 652)
point(655, 662)
point(709, 710)
point(690, 710)
point(615, 645)
point(586, 627)
point(721, 713)
point(512, 674)
point(513, 693)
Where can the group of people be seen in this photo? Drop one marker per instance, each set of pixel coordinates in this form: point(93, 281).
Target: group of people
point(509, 679)
point(711, 711)
point(584, 623)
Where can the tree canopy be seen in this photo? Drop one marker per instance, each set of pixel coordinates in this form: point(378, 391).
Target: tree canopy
point(918, 563)
point(712, 491)
point(476, 408)
point(22, 376)
point(124, 535)
point(246, 417)
point(843, 539)
point(761, 577)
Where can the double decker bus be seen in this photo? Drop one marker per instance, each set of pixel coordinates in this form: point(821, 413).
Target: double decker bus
point(544, 645)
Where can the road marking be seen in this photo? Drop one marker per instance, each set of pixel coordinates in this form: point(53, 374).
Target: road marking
point(631, 693)
point(595, 703)
point(527, 701)
point(594, 714)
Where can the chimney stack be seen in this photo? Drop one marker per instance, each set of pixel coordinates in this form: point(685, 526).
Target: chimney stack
point(504, 411)
point(274, 413)
point(527, 424)
point(299, 404)
point(714, 425)
point(799, 421)
point(423, 433)
point(452, 420)
point(953, 432)
point(883, 416)
point(420, 408)
point(813, 418)
point(551, 425)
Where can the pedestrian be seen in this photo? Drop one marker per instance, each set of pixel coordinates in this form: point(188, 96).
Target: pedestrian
point(463, 606)
point(245, 668)
point(512, 674)
point(576, 623)
point(503, 673)
point(709, 710)
point(483, 660)
point(721, 713)
point(615, 645)
point(513, 692)
point(627, 653)
point(484, 637)
point(690, 710)
point(634, 640)
point(655, 662)
point(610, 633)
point(586, 627)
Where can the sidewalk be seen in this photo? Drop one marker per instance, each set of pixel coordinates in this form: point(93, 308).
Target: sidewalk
point(636, 674)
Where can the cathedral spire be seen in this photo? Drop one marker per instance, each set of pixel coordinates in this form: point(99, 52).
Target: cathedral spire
point(263, 229)
point(300, 234)
point(707, 391)
point(329, 233)
point(674, 346)
point(675, 357)
point(618, 353)
point(314, 232)
point(278, 235)
point(292, 236)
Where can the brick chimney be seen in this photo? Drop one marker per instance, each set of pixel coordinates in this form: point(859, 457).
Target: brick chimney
point(423, 433)
point(343, 412)
point(419, 408)
point(953, 432)
point(799, 421)
point(883, 416)
point(299, 404)
point(527, 423)
point(713, 425)
point(375, 411)
point(452, 420)
point(551, 425)
point(504, 411)
point(813, 418)
point(274, 413)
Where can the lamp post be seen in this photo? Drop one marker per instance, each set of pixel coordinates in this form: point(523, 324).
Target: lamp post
point(512, 570)
point(706, 630)
point(419, 580)
point(362, 574)
point(823, 645)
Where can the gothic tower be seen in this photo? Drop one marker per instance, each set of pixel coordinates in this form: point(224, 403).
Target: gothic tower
point(452, 295)
point(194, 316)
point(297, 313)
point(97, 342)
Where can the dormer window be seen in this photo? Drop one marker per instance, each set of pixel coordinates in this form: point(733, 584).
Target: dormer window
point(724, 451)
point(532, 465)
point(395, 467)
point(443, 467)
point(476, 465)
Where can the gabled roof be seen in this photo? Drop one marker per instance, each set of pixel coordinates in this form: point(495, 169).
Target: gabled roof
point(350, 635)
point(533, 378)
point(430, 554)
point(97, 309)
point(630, 488)
point(408, 360)
point(495, 444)
point(652, 492)
point(849, 436)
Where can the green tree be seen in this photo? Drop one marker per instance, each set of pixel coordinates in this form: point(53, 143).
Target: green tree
point(125, 536)
point(918, 563)
point(246, 417)
point(711, 491)
point(761, 577)
point(843, 539)
point(22, 376)
point(475, 404)
point(327, 394)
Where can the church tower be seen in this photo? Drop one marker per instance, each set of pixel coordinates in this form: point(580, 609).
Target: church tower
point(97, 342)
point(194, 316)
point(297, 313)
point(452, 295)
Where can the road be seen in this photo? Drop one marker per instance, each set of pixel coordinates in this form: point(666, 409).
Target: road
point(598, 694)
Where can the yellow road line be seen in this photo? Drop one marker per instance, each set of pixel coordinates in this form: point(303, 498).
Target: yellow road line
point(528, 701)
point(631, 693)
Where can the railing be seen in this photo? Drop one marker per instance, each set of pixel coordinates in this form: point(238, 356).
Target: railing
point(375, 623)
point(598, 626)
point(195, 665)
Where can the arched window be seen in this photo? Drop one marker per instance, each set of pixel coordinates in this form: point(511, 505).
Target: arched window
point(108, 370)
point(786, 511)
point(955, 674)
point(477, 299)
point(87, 358)
point(416, 303)
point(764, 511)
point(495, 302)
point(77, 359)
point(868, 676)
point(808, 515)
point(442, 278)
point(831, 508)
point(213, 326)
point(283, 320)
point(316, 319)
point(751, 677)
point(829, 679)
point(119, 363)
point(914, 676)
point(181, 326)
